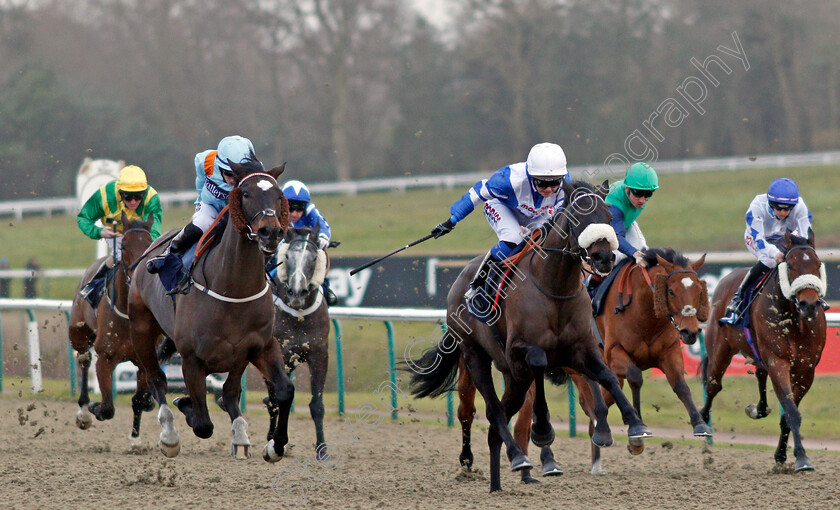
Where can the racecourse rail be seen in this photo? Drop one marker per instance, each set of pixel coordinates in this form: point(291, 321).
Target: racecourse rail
point(386, 315)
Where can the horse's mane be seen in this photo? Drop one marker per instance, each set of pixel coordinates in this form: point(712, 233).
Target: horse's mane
point(251, 163)
point(671, 255)
point(577, 184)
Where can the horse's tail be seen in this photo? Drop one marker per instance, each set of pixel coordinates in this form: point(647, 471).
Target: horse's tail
point(434, 373)
point(557, 376)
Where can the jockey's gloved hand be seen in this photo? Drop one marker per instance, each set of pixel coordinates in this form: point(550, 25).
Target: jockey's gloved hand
point(640, 258)
point(323, 243)
point(444, 228)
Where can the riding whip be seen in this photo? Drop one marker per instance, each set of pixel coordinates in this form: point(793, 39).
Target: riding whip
point(380, 259)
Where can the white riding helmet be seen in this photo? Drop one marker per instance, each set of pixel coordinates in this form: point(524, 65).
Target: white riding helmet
point(546, 161)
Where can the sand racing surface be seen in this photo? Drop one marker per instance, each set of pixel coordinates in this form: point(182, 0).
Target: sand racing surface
point(46, 462)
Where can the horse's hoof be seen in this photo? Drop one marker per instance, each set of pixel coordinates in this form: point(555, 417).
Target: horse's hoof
point(83, 419)
point(753, 412)
point(635, 446)
point(169, 450)
point(638, 432)
point(135, 441)
point(531, 481)
point(544, 439)
point(240, 451)
point(551, 468)
point(702, 430)
point(803, 464)
point(597, 469)
point(269, 453)
point(149, 405)
point(321, 454)
point(602, 439)
point(520, 462)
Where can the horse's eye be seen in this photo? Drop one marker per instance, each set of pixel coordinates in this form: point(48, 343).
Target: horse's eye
point(671, 292)
point(245, 194)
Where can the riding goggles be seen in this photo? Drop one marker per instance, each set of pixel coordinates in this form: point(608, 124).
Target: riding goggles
point(297, 206)
point(781, 207)
point(547, 183)
point(132, 196)
point(641, 193)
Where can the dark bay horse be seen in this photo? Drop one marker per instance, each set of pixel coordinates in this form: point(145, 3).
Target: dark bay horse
point(787, 329)
point(106, 330)
point(542, 327)
point(225, 322)
point(667, 305)
point(302, 322)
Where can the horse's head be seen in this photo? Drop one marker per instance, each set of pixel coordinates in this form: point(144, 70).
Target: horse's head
point(588, 221)
point(137, 236)
point(801, 275)
point(304, 266)
point(678, 292)
point(257, 206)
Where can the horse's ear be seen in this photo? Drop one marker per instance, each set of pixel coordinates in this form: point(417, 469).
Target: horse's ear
point(696, 266)
point(787, 239)
point(703, 306)
point(277, 170)
point(660, 296)
point(124, 220)
point(149, 222)
point(316, 230)
point(603, 189)
point(239, 171)
point(667, 266)
point(811, 238)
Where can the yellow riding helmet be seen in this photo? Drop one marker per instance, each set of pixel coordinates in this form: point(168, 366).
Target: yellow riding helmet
point(132, 179)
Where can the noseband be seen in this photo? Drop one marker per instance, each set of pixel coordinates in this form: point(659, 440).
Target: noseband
point(590, 234)
point(803, 281)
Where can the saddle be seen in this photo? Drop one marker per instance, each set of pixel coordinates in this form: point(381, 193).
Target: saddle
point(749, 296)
point(175, 269)
point(600, 294)
point(94, 290)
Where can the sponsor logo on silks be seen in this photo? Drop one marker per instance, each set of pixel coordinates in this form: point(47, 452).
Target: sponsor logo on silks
point(549, 210)
point(215, 190)
point(491, 214)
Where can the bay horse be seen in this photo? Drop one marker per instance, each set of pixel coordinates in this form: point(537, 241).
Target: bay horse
point(302, 322)
point(106, 329)
point(785, 338)
point(225, 322)
point(542, 327)
point(668, 303)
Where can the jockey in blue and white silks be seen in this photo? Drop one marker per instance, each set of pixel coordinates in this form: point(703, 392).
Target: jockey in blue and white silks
point(516, 199)
point(769, 216)
point(304, 214)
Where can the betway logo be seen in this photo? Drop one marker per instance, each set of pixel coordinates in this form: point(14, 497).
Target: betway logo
point(350, 289)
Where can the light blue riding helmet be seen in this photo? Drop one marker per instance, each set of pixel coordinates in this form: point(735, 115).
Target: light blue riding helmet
point(783, 191)
point(296, 190)
point(234, 149)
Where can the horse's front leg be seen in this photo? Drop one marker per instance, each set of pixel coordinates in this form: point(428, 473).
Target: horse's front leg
point(760, 410)
point(595, 368)
point(270, 402)
point(141, 401)
point(789, 398)
point(522, 433)
point(270, 363)
point(240, 447)
point(673, 367)
point(194, 406)
point(105, 363)
point(83, 417)
point(317, 380)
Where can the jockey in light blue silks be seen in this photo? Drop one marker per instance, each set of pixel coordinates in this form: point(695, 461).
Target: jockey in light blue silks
point(304, 214)
point(516, 199)
point(214, 180)
point(769, 216)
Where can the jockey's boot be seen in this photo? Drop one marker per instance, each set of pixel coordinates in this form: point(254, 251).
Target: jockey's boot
point(592, 285)
point(486, 279)
point(187, 237)
point(93, 284)
point(329, 295)
point(735, 309)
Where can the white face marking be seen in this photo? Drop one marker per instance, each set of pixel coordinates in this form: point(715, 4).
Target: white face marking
point(806, 257)
point(265, 185)
point(687, 282)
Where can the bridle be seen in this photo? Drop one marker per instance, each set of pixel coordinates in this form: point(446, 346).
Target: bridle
point(804, 281)
point(307, 240)
point(249, 233)
point(687, 310)
point(127, 268)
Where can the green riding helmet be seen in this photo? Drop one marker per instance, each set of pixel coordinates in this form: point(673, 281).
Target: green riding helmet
point(641, 176)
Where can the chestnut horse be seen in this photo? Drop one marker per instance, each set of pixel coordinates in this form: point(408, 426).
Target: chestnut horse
point(542, 327)
point(106, 330)
point(787, 329)
point(669, 301)
point(225, 322)
point(302, 322)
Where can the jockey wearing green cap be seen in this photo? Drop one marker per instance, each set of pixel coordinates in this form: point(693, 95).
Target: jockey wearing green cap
point(626, 201)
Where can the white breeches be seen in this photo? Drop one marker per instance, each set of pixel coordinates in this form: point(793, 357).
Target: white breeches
point(204, 216)
point(635, 237)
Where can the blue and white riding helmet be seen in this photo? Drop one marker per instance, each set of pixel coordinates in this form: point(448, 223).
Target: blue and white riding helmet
point(297, 191)
point(783, 191)
point(234, 149)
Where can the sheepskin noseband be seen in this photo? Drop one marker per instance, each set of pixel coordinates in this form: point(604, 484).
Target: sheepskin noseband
point(592, 233)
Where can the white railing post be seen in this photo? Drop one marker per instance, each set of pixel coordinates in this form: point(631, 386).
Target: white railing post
point(34, 353)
